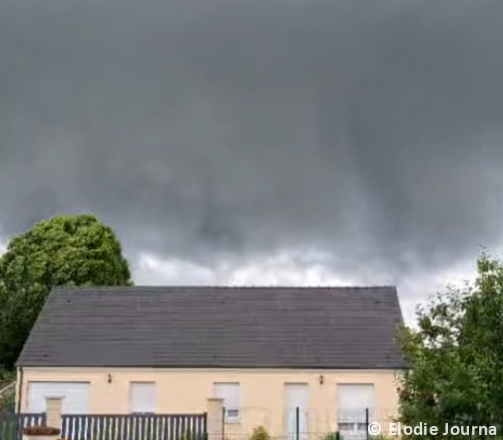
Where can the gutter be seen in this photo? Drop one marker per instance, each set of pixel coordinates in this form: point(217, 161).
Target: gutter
point(19, 393)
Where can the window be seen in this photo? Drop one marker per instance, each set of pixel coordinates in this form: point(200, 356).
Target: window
point(229, 392)
point(142, 397)
point(354, 400)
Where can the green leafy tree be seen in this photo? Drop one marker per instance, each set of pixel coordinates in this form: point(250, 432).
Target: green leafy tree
point(73, 250)
point(455, 356)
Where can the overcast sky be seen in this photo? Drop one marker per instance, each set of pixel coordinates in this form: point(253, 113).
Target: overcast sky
point(261, 141)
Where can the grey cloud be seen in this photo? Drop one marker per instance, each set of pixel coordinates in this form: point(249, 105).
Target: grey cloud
point(369, 129)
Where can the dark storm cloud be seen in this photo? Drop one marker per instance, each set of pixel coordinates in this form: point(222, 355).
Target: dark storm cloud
point(369, 129)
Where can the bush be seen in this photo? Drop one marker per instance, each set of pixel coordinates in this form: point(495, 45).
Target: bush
point(41, 431)
point(7, 375)
point(380, 437)
point(8, 402)
point(260, 433)
point(194, 436)
point(332, 436)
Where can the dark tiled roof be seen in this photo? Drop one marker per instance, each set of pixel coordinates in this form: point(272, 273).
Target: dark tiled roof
point(247, 327)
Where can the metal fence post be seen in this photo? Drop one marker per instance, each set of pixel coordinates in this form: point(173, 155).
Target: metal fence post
point(367, 422)
point(223, 423)
point(297, 423)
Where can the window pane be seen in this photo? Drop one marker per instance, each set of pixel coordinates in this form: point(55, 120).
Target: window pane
point(232, 413)
point(346, 426)
point(351, 415)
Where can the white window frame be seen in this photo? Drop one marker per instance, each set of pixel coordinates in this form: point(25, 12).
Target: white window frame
point(132, 386)
point(230, 392)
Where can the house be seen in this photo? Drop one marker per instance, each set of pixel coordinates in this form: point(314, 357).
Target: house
point(266, 351)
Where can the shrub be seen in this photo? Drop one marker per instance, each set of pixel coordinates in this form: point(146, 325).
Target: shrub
point(260, 433)
point(41, 431)
point(6, 376)
point(380, 437)
point(189, 435)
point(332, 436)
point(8, 402)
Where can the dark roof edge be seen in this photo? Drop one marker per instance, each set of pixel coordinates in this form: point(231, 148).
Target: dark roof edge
point(398, 305)
point(401, 323)
point(43, 311)
point(227, 367)
point(227, 287)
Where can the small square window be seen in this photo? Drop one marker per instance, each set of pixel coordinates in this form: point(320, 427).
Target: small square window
point(232, 414)
point(346, 426)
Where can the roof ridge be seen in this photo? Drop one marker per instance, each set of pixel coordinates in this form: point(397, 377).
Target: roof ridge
point(229, 287)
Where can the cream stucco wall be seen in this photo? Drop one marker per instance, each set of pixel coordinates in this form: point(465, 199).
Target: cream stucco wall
point(261, 392)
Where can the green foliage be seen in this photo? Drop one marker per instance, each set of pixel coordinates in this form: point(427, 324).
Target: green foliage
point(8, 402)
point(6, 376)
point(194, 436)
point(331, 436)
point(74, 250)
point(260, 433)
point(7, 397)
point(380, 437)
point(456, 356)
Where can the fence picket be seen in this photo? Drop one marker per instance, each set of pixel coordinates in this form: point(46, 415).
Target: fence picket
point(110, 427)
